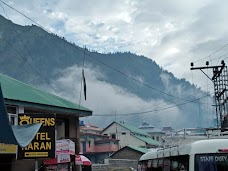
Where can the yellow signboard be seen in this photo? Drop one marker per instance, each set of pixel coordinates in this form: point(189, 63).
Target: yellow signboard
point(36, 154)
point(8, 149)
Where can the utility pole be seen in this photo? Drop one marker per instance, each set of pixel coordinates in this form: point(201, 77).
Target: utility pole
point(220, 81)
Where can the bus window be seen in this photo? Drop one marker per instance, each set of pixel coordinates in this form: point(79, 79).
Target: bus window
point(179, 163)
point(211, 162)
point(142, 166)
point(149, 164)
point(155, 163)
point(160, 164)
point(166, 165)
point(174, 165)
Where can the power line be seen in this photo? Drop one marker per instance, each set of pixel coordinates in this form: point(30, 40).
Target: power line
point(151, 111)
point(39, 73)
point(144, 115)
point(156, 110)
point(117, 70)
point(212, 53)
point(100, 60)
point(34, 68)
point(124, 73)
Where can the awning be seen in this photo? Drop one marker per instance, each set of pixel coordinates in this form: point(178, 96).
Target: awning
point(60, 158)
point(20, 135)
point(82, 160)
point(65, 158)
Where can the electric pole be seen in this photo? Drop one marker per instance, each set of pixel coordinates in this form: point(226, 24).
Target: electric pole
point(220, 81)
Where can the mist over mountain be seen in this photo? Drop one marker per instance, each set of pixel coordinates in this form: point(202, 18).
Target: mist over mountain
point(120, 86)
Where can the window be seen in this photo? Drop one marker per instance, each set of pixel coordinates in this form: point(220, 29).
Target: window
point(89, 143)
point(211, 162)
point(11, 109)
point(12, 119)
point(174, 163)
point(123, 133)
point(113, 136)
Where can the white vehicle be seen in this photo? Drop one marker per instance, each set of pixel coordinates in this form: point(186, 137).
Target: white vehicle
point(202, 155)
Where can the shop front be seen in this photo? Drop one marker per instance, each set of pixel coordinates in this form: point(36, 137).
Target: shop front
point(66, 159)
point(65, 163)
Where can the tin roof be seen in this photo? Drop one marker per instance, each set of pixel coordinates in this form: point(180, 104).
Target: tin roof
point(19, 93)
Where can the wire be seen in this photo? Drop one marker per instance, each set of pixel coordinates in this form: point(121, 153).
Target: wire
point(150, 111)
point(39, 73)
point(36, 68)
point(126, 74)
point(98, 59)
point(212, 53)
point(130, 118)
point(83, 64)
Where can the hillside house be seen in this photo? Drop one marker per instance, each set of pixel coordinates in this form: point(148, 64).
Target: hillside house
point(129, 135)
point(89, 128)
point(155, 133)
point(97, 147)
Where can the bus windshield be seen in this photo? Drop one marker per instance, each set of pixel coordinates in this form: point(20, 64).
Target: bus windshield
point(211, 162)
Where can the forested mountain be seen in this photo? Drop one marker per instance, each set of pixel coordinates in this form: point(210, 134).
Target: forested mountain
point(41, 59)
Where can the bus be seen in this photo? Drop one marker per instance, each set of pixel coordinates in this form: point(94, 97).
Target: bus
point(201, 155)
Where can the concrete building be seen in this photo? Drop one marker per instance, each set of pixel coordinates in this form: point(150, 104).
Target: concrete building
point(155, 133)
point(89, 128)
point(168, 130)
point(129, 135)
point(22, 98)
point(97, 147)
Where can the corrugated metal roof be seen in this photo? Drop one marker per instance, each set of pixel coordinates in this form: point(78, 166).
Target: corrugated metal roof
point(133, 129)
point(140, 149)
point(14, 90)
point(148, 140)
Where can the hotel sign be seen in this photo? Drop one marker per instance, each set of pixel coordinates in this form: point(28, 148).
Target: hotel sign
point(43, 145)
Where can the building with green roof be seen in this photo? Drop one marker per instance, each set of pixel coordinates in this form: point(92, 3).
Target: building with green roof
point(18, 93)
point(129, 135)
point(23, 98)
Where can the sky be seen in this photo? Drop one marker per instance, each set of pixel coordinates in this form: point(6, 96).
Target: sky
point(173, 33)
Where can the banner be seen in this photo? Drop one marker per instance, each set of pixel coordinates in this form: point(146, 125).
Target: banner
point(43, 145)
point(65, 146)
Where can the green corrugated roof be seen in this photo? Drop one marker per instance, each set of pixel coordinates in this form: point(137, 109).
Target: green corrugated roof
point(133, 129)
point(18, 91)
point(148, 140)
point(140, 149)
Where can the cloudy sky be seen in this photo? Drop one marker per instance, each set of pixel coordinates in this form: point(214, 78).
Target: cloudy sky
point(173, 33)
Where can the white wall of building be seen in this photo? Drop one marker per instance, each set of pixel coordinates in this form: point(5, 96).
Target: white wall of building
point(123, 135)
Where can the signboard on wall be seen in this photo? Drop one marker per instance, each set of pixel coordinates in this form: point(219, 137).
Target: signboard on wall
point(8, 149)
point(65, 146)
point(43, 145)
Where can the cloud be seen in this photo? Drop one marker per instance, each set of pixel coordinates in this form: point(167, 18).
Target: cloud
point(151, 28)
point(173, 33)
point(107, 99)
